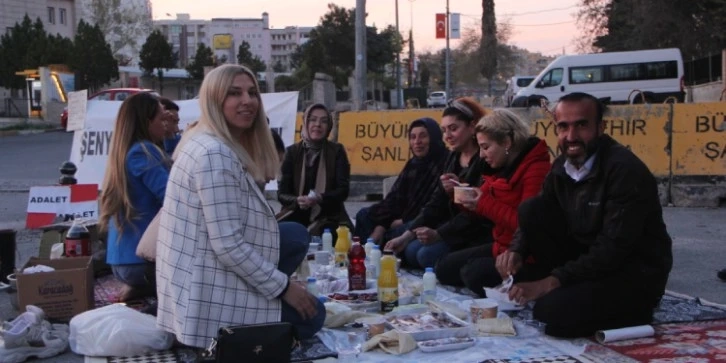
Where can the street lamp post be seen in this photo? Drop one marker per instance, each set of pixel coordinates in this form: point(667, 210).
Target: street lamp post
point(448, 53)
point(360, 55)
point(399, 100)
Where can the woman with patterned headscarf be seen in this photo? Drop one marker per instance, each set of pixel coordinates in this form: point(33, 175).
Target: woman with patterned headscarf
point(315, 176)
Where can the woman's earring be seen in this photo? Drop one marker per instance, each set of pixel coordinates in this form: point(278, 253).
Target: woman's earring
point(506, 151)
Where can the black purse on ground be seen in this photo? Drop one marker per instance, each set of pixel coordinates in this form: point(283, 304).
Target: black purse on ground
point(259, 343)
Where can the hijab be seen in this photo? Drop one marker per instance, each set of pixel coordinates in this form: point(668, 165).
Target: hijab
point(313, 148)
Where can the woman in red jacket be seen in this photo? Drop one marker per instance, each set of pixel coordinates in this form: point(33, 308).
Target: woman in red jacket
point(521, 162)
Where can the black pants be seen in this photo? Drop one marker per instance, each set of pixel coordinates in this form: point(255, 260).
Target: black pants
point(472, 267)
point(621, 299)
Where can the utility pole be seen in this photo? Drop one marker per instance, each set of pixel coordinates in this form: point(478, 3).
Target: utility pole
point(360, 55)
point(448, 54)
point(399, 97)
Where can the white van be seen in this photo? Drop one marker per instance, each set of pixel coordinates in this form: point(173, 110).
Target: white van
point(617, 76)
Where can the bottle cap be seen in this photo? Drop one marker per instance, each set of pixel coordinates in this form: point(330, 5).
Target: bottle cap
point(312, 279)
point(370, 240)
point(429, 269)
point(327, 230)
point(388, 252)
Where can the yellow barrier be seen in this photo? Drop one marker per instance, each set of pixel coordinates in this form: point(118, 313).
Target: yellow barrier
point(699, 139)
point(377, 141)
point(641, 128)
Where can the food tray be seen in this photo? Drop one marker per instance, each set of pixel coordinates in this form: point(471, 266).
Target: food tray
point(444, 344)
point(461, 330)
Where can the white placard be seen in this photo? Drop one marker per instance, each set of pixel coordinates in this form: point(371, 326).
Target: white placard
point(52, 199)
point(77, 102)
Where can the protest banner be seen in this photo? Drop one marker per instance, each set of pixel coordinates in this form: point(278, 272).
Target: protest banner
point(90, 147)
point(46, 203)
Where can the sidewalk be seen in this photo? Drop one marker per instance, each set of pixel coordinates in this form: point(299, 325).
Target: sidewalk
point(29, 126)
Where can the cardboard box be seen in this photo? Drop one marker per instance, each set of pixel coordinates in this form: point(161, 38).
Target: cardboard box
point(62, 293)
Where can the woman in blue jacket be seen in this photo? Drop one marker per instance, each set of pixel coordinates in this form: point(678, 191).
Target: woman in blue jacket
point(133, 190)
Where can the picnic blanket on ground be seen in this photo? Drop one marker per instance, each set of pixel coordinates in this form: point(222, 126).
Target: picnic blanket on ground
point(682, 337)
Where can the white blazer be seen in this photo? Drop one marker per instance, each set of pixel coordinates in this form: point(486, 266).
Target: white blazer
point(218, 248)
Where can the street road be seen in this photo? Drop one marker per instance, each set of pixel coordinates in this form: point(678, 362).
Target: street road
point(699, 234)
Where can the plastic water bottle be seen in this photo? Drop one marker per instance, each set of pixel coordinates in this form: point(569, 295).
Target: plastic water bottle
point(429, 285)
point(312, 286)
point(328, 241)
point(375, 260)
point(369, 247)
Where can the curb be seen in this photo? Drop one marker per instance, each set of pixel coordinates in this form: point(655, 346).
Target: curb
point(29, 132)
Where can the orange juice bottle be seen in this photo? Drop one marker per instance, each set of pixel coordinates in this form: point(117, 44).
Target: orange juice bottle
point(342, 245)
point(388, 282)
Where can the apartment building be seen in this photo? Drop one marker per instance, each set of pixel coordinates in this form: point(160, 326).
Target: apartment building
point(284, 42)
point(184, 34)
point(225, 35)
point(58, 16)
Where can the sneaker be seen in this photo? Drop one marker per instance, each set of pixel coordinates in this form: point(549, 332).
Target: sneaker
point(28, 336)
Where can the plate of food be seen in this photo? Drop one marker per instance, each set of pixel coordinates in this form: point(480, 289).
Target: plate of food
point(444, 344)
point(429, 325)
point(356, 300)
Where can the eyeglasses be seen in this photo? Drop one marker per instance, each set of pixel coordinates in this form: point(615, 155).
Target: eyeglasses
point(461, 107)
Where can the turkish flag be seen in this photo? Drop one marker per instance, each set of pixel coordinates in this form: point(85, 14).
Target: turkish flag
point(440, 26)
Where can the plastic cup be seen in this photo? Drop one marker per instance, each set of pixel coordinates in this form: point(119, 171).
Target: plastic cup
point(463, 193)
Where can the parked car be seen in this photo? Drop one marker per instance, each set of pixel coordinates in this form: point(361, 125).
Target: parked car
point(111, 94)
point(436, 99)
point(514, 85)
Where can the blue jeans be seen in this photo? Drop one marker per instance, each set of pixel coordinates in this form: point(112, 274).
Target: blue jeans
point(418, 255)
point(294, 242)
point(364, 226)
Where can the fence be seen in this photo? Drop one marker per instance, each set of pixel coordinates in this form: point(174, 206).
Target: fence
point(14, 107)
point(703, 70)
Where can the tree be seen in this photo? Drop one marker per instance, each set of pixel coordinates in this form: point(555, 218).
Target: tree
point(204, 57)
point(488, 42)
point(156, 54)
point(28, 46)
point(124, 23)
point(278, 67)
point(411, 60)
point(425, 75)
point(382, 47)
point(245, 57)
point(331, 47)
point(92, 59)
point(697, 27)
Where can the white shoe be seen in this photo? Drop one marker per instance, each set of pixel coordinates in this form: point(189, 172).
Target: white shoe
point(30, 336)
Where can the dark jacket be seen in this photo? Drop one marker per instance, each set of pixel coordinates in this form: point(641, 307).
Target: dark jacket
point(337, 184)
point(456, 227)
point(504, 191)
point(615, 213)
point(416, 183)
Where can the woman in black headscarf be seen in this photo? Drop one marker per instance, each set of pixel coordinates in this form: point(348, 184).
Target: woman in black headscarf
point(414, 186)
point(315, 176)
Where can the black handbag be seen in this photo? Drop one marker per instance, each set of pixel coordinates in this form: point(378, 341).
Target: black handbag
point(258, 343)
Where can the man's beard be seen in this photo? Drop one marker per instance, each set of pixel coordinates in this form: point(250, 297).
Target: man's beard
point(590, 149)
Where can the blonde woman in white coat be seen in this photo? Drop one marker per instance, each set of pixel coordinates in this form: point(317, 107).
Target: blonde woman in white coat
point(219, 258)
